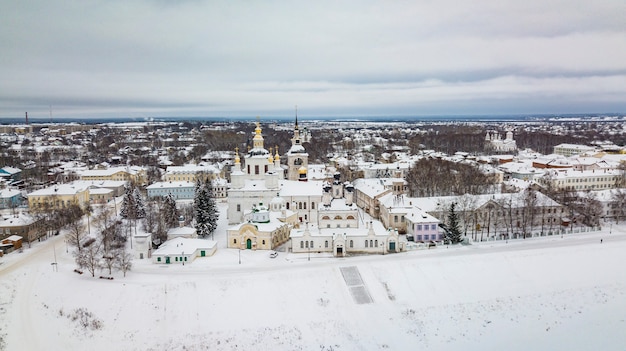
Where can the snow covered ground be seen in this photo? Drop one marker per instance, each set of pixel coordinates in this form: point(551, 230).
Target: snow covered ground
point(548, 293)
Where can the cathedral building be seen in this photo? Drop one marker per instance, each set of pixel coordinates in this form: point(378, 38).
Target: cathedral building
point(265, 210)
point(254, 182)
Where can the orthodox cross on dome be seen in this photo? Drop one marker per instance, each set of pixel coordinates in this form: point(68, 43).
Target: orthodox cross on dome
point(237, 160)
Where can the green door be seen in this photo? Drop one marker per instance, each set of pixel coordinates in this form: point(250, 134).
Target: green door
point(392, 246)
point(249, 244)
point(202, 253)
point(167, 260)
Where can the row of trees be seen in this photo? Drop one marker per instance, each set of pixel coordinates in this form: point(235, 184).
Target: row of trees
point(436, 177)
point(107, 250)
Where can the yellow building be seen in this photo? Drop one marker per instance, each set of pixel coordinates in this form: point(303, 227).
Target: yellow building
point(58, 196)
point(128, 174)
point(191, 173)
point(265, 229)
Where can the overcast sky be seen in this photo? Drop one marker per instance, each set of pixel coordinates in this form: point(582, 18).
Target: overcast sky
point(331, 58)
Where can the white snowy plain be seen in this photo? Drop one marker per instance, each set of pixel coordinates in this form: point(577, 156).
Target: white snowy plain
point(548, 293)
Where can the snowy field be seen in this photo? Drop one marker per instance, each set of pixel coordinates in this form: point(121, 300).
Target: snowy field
point(548, 293)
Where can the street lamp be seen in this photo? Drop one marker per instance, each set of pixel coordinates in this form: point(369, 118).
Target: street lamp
point(240, 255)
point(610, 228)
point(309, 247)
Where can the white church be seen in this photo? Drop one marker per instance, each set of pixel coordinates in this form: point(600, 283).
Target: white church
point(494, 142)
point(265, 210)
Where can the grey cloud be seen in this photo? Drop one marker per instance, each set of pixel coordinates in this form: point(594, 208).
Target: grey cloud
point(210, 57)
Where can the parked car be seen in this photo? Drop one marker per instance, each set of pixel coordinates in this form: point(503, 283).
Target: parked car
point(273, 254)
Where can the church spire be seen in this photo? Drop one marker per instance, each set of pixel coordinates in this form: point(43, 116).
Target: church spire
point(237, 159)
point(257, 141)
point(296, 117)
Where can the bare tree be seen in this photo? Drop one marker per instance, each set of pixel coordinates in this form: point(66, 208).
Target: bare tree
point(75, 234)
point(618, 204)
point(89, 257)
point(124, 262)
point(109, 259)
point(105, 223)
point(506, 206)
point(529, 211)
point(589, 209)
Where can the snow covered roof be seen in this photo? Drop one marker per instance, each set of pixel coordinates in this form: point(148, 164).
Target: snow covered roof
point(100, 191)
point(10, 170)
point(183, 245)
point(92, 184)
point(296, 188)
point(374, 186)
point(191, 169)
point(13, 238)
point(181, 231)
point(8, 193)
point(60, 189)
point(22, 219)
point(314, 230)
point(171, 185)
point(337, 205)
point(104, 172)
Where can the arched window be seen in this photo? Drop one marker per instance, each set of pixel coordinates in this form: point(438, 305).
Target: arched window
point(263, 242)
point(365, 243)
point(326, 244)
point(311, 243)
point(376, 243)
point(351, 243)
point(326, 217)
point(301, 244)
point(234, 241)
point(312, 205)
point(305, 205)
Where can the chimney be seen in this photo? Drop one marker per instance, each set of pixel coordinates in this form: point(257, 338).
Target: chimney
point(26, 118)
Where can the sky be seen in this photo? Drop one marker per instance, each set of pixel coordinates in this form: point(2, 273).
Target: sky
point(158, 58)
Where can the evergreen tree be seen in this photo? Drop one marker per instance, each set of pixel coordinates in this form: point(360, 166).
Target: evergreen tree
point(140, 207)
point(170, 212)
point(205, 208)
point(128, 208)
point(452, 229)
point(212, 211)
